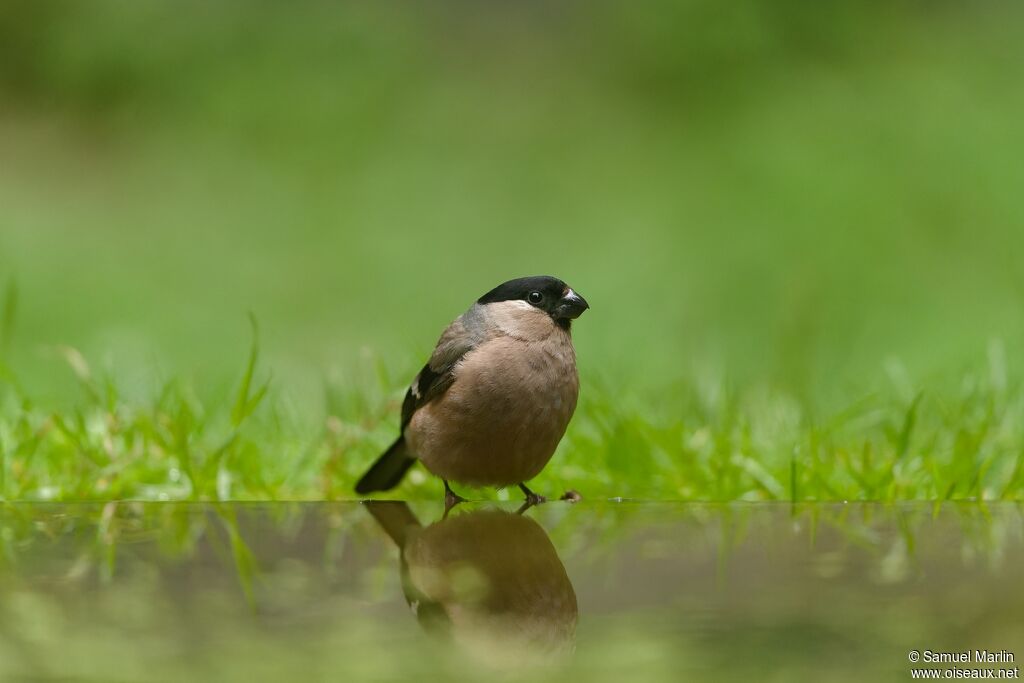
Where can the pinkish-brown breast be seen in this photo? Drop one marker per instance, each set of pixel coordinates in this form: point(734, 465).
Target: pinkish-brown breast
point(504, 415)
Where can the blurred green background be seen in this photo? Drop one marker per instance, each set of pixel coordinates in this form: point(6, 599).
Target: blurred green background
point(807, 196)
point(782, 189)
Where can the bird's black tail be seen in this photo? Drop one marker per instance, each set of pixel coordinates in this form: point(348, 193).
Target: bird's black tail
point(389, 469)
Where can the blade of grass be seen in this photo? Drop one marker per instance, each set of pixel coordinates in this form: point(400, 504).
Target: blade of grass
point(909, 420)
point(246, 404)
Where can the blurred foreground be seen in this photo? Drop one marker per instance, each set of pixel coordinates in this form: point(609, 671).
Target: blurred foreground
point(591, 592)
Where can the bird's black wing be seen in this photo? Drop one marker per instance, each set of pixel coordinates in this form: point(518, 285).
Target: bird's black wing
point(461, 337)
point(427, 386)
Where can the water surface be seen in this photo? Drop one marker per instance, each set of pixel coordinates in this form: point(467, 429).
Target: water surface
point(593, 591)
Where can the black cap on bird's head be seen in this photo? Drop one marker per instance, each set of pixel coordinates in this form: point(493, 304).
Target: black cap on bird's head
point(547, 293)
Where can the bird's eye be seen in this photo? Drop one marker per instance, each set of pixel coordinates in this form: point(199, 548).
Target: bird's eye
point(535, 297)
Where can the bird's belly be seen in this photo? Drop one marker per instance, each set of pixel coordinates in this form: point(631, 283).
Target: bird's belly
point(504, 415)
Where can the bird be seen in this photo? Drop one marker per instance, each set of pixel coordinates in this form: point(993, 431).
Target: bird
point(488, 580)
point(491, 405)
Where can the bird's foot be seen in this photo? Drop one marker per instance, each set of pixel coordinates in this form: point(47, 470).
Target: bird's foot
point(451, 499)
point(531, 497)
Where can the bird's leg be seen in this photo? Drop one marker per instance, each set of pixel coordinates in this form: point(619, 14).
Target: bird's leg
point(451, 499)
point(531, 497)
point(524, 507)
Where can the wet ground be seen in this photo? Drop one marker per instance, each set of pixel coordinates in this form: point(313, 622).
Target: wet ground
point(592, 591)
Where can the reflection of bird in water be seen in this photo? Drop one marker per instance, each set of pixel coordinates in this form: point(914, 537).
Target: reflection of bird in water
point(489, 579)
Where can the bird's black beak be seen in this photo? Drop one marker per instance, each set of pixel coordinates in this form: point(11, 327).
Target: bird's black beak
point(570, 306)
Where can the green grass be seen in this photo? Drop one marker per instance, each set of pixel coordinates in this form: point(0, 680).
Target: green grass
point(701, 442)
point(799, 232)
